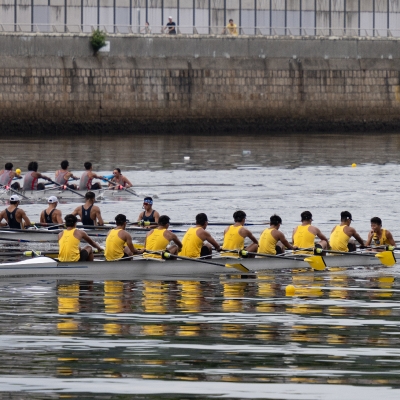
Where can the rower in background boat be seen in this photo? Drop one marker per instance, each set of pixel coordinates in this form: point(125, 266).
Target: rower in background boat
point(69, 243)
point(235, 235)
point(88, 175)
point(379, 236)
point(158, 239)
point(119, 244)
point(32, 176)
point(51, 215)
point(7, 175)
point(63, 175)
point(272, 240)
point(341, 234)
point(120, 181)
point(15, 217)
point(89, 213)
point(304, 234)
point(193, 242)
point(149, 217)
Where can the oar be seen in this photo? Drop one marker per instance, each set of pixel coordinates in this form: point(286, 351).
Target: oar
point(67, 188)
point(23, 240)
point(121, 187)
point(14, 191)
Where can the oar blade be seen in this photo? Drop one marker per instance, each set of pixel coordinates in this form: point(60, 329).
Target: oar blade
point(316, 262)
point(239, 267)
point(386, 258)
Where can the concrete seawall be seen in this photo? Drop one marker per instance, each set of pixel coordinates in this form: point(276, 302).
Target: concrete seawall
point(147, 83)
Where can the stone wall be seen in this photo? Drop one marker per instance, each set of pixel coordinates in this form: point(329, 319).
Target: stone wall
point(55, 83)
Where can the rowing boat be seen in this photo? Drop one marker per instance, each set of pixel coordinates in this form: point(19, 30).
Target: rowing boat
point(142, 268)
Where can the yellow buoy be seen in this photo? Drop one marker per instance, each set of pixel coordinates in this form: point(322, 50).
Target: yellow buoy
point(18, 171)
point(290, 290)
point(354, 165)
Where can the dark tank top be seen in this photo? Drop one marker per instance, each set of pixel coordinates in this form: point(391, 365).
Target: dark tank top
point(86, 220)
point(12, 222)
point(49, 217)
point(150, 218)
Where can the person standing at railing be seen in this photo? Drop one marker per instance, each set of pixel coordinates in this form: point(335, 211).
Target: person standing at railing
point(146, 30)
point(231, 29)
point(170, 27)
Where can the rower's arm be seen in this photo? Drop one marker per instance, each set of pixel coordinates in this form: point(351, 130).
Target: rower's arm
point(59, 217)
point(99, 217)
point(251, 237)
point(140, 217)
point(369, 239)
point(390, 239)
point(76, 212)
point(212, 241)
point(176, 240)
point(284, 241)
point(39, 175)
point(3, 216)
point(128, 182)
point(358, 238)
point(128, 240)
point(156, 215)
point(25, 218)
point(321, 236)
point(87, 239)
point(42, 220)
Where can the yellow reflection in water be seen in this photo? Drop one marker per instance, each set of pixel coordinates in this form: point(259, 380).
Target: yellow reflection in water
point(68, 326)
point(112, 329)
point(234, 293)
point(335, 339)
point(231, 331)
point(335, 310)
point(113, 296)
point(188, 330)
point(153, 330)
point(384, 282)
point(155, 297)
point(341, 281)
point(265, 290)
point(191, 296)
point(264, 332)
point(68, 298)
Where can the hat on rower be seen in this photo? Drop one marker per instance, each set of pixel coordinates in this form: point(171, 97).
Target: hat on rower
point(52, 199)
point(15, 197)
point(345, 215)
point(148, 200)
point(170, 17)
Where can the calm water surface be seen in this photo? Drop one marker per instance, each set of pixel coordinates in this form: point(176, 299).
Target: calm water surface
point(224, 337)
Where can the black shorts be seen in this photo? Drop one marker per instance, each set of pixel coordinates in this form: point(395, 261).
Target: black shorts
point(278, 249)
point(126, 257)
point(84, 255)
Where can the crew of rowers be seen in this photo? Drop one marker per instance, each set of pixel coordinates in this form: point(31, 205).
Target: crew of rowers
point(197, 242)
point(62, 177)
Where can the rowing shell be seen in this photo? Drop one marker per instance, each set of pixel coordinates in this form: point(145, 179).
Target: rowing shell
point(142, 268)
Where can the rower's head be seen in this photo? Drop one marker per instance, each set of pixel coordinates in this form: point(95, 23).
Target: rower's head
point(90, 196)
point(120, 220)
point(88, 165)
point(117, 172)
point(376, 224)
point(163, 221)
point(148, 203)
point(64, 164)
point(239, 216)
point(52, 200)
point(70, 221)
point(33, 166)
point(345, 217)
point(202, 220)
point(9, 166)
point(15, 199)
point(275, 220)
point(306, 217)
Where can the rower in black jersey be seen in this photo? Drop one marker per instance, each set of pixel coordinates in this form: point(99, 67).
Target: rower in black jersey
point(149, 217)
point(51, 215)
point(89, 213)
point(15, 217)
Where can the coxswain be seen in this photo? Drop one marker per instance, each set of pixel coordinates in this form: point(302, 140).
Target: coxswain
point(193, 241)
point(63, 175)
point(7, 175)
point(304, 235)
point(119, 181)
point(272, 240)
point(69, 243)
point(378, 236)
point(119, 244)
point(51, 215)
point(235, 235)
point(158, 239)
point(15, 217)
point(89, 213)
point(149, 217)
point(88, 175)
point(32, 176)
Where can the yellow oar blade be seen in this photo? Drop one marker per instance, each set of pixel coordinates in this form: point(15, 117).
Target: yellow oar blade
point(316, 262)
point(239, 267)
point(386, 258)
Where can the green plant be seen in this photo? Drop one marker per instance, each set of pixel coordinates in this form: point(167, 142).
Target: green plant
point(98, 40)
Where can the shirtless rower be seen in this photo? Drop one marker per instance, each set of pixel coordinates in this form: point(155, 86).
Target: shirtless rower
point(14, 216)
point(193, 241)
point(149, 217)
point(7, 175)
point(159, 238)
point(119, 242)
point(304, 234)
point(51, 215)
point(63, 175)
point(120, 181)
point(378, 236)
point(32, 176)
point(272, 240)
point(89, 213)
point(235, 235)
point(69, 242)
point(341, 234)
point(88, 175)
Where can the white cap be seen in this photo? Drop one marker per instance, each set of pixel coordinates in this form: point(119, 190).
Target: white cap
point(52, 199)
point(169, 17)
point(15, 197)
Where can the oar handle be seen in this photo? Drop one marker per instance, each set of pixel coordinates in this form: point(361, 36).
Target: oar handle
point(65, 187)
point(121, 187)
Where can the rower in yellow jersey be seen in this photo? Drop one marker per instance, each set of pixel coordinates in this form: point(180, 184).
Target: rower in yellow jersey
point(304, 234)
point(235, 235)
point(379, 236)
point(158, 239)
point(341, 234)
point(69, 242)
point(119, 242)
point(272, 240)
point(193, 241)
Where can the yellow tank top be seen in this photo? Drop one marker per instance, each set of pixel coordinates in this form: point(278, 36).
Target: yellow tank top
point(191, 243)
point(69, 247)
point(155, 242)
point(304, 239)
point(233, 241)
point(267, 242)
point(114, 246)
point(339, 240)
point(379, 242)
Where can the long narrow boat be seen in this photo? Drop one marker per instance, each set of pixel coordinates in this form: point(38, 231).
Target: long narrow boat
point(141, 268)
